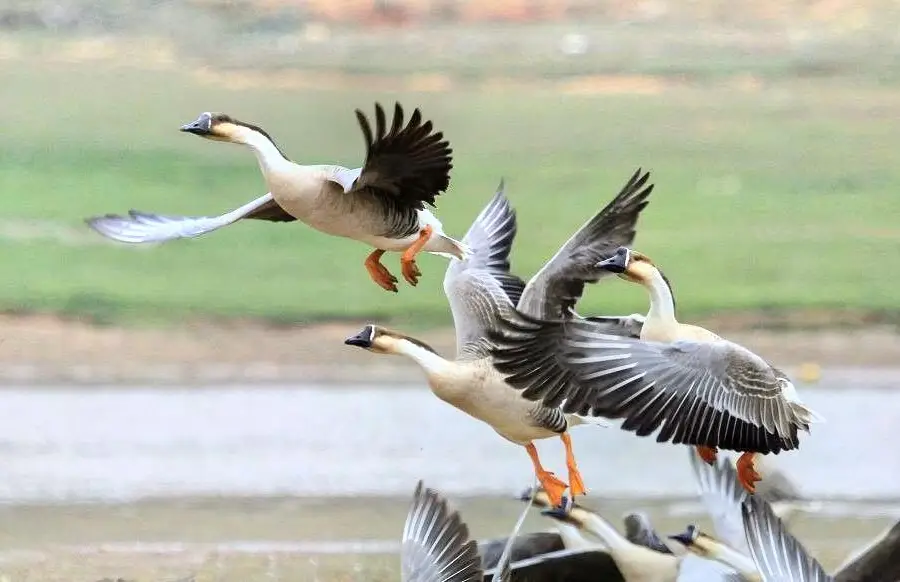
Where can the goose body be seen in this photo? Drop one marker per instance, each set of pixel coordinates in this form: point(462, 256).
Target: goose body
point(695, 386)
point(381, 203)
point(480, 289)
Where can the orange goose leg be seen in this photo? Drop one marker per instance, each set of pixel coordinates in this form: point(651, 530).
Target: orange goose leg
point(747, 474)
point(408, 265)
point(708, 454)
point(576, 483)
point(379, 272)
point(553, 486)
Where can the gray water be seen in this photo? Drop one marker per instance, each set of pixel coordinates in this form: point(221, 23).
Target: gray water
point(116, 444)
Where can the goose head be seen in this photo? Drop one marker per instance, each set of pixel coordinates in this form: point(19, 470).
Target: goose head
point(223, 127)
point(696, 541)
point(629, 265)
point(381, 340)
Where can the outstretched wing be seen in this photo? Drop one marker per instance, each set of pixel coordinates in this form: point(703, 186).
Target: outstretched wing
point(481, 286)
point(722, 495)
point(553, 292)
point(143, 227)
point(778, 555)
point(701, 393)
point(406, 165)
point(435, 546)
point(530, 353)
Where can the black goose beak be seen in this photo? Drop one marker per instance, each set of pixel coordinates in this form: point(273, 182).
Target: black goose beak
point(616, 263)
point(685, 538)
point(363, 339)
point(561, 513)
point(200, 126)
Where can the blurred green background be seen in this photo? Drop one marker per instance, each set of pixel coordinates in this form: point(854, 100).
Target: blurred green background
point(771, 135)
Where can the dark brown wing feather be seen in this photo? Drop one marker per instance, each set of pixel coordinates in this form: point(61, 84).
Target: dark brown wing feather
point(406, 165)
point(554, 290)
point(272, 212)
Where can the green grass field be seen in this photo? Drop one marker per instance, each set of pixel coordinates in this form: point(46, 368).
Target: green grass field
point(782, 197)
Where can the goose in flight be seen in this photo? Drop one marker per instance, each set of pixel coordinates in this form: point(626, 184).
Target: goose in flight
point(481, 289)
point(699, 388)
point(382, 203)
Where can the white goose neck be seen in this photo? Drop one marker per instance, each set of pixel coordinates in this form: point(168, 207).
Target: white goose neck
point(662, 302)
point(429, 361)
point(606, 532)
point(268, 155)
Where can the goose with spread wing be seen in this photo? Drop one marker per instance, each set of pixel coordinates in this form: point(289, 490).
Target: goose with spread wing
point(699, 388)
point(778, 555)
point(480, 289)
point(722, 494)
point(723, 497)
point(638, 563)
point(381, 204)
point(435, 545)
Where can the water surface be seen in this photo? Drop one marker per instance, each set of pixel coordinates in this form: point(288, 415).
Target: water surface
point(110, 444)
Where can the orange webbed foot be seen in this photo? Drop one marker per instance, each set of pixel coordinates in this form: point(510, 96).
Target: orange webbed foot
point(379, 272)
point(410, 272)
point(576, 483)
point(746, 472)
point(553, 486)
point(408, 265)
point(708, 454)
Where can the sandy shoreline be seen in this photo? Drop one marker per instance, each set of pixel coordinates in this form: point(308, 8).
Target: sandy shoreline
point(46, 349)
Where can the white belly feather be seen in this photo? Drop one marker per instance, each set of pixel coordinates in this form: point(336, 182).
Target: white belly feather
point(479, 391)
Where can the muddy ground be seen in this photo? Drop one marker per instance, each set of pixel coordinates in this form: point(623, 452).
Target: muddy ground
point(38, 348)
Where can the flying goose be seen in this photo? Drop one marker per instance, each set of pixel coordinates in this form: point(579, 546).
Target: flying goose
point(702, 390)
point(435, 545)
point(777, 554)
point(706, 546)
point(381, 204)
point(723, 497)
point(638, 528)
point(480, 289)
point(641, 564)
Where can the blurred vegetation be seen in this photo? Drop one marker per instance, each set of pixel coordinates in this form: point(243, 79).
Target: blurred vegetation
point(772, 141)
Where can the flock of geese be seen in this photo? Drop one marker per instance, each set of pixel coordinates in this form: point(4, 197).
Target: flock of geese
point(527, 363)
point(751, 543)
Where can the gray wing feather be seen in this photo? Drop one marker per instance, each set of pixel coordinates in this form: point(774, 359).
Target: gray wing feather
point(778, 555)
point(701, 393)
point(435, 546)
point(529, 353)
point(554, 290)
point(142, 227)
point(722, 495)
point(481, 286)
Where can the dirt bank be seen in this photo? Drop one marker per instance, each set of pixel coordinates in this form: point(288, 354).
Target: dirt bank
point(48, 349)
